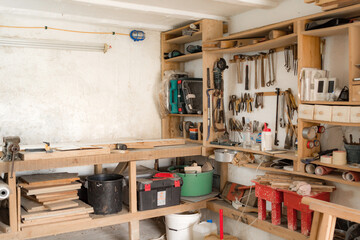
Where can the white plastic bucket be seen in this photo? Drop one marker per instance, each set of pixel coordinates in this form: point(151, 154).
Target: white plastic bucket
point(180, 226)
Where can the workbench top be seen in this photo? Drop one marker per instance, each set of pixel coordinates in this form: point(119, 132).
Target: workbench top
point(185, 150)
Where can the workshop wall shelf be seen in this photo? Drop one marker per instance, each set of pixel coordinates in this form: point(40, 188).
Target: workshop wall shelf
point(342, 167)
point(332, 177)
point(186, 115)
point(331, 103)
point(185, 58)
point(262, 46)
point(332, 123)
point(185, 39)
point(330, 31)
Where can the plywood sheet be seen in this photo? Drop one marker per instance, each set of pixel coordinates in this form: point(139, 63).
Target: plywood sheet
point(49, 177)
point(51, 189)
point(28, 223)
point(62, 205)
point(31, 206)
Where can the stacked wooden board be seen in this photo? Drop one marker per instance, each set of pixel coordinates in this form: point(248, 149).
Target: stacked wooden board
point(284, 181)
point(50, 198)
point(327, 5)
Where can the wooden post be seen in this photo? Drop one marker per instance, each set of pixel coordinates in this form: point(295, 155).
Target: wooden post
point(134, 233)
point(18, 210)
point(223, 175)
point(98, 169)
point(12, 202)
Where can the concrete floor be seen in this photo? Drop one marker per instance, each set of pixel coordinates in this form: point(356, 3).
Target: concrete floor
point(149, 229)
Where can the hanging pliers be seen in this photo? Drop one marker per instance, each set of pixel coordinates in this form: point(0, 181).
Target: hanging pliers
point(232, 104)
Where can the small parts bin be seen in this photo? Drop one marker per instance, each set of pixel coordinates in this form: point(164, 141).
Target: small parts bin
point(162, 190)
point(292, 201)
point(266, 193)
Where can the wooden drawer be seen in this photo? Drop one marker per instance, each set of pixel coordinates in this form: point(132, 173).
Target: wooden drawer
point(355, 115)
point(323, 113)
point(355, 96)
point(341, 114)
point(306, 111)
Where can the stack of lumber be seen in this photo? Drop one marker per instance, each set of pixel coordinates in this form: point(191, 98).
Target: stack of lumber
point(327, 5)
point(285, 181)
point(50, 198)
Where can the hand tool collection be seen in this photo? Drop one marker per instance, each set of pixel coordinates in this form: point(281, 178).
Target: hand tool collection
point(260, 68)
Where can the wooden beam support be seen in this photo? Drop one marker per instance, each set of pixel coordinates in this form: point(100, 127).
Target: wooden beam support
point(98, 169)
point(12, 202)
point(134, 228)
point(224, 169)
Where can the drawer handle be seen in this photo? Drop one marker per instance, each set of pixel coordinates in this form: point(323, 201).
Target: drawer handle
point(321, 113)
point(339, 114)
point(358, 115)
point(304, 112)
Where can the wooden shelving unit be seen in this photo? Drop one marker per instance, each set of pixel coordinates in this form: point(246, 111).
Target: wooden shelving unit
point(185, 58)
point(342, 167)
point(331, 103)
point(132, 216)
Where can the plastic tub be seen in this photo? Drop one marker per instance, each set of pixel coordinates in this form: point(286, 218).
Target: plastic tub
point(194, 184)
point(353, 153)
point(180, 226)
point(105, 193)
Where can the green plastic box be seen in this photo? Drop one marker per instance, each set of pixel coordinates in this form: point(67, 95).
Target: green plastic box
point(194, 184)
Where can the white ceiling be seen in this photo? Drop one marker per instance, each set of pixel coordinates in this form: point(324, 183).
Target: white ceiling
point(141, 14)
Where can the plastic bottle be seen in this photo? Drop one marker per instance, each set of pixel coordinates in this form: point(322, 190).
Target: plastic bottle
point(201, 230)
point(266, 139)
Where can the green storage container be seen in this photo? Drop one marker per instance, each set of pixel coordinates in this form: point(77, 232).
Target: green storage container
point(194, 184)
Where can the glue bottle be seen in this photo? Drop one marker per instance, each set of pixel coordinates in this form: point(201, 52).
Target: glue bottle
point(266, 139)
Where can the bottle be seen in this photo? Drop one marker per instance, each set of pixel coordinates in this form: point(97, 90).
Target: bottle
point(203, 229)
point(266, 139)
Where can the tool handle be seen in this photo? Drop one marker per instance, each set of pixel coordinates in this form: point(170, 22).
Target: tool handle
point(208, 78)
point(247, 77)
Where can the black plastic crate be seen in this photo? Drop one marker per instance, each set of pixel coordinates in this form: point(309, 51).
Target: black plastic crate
point(162, 190)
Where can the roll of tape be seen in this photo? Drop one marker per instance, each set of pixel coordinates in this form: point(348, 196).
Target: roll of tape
point(4, 190)
point(310, 168)
point(326, 159)
point(339, 157)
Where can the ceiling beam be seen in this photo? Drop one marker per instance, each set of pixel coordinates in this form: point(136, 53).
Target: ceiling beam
point(83, 19)
point(253, 3)
point(174, 13)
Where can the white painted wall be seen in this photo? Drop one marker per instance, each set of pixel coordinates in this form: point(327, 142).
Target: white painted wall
point(68, 96)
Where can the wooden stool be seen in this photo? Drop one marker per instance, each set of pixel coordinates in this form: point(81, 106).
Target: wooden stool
point(292, 201)
point(266, 193)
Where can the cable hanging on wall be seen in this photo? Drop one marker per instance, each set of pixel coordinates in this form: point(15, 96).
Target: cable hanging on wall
point(135, 35)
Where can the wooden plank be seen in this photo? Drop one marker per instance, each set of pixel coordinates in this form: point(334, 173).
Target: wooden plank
point(60, 200)
point(51, 199)
point(31, 206)
point(48, 178)
point(134, 230)
point(134, 233)
point(18, 207)
point(60, 188)
point(98, 168)
point(333, 209)
point(121, 167)
point(50, 195)
point(54, 220)
point(27, 156)
point(47, 184)
point(327, 227)
point(83, 208)
point(12, 200)
point(315, 225)
point(186, 57)
point(62, 205)
point(224, 169)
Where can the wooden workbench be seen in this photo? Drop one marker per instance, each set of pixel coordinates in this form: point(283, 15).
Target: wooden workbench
point(132, 216)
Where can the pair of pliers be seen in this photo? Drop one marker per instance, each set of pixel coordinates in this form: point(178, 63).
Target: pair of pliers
point(232, 106)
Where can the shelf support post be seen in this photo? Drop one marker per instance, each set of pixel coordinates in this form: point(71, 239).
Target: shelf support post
point(134, 229)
